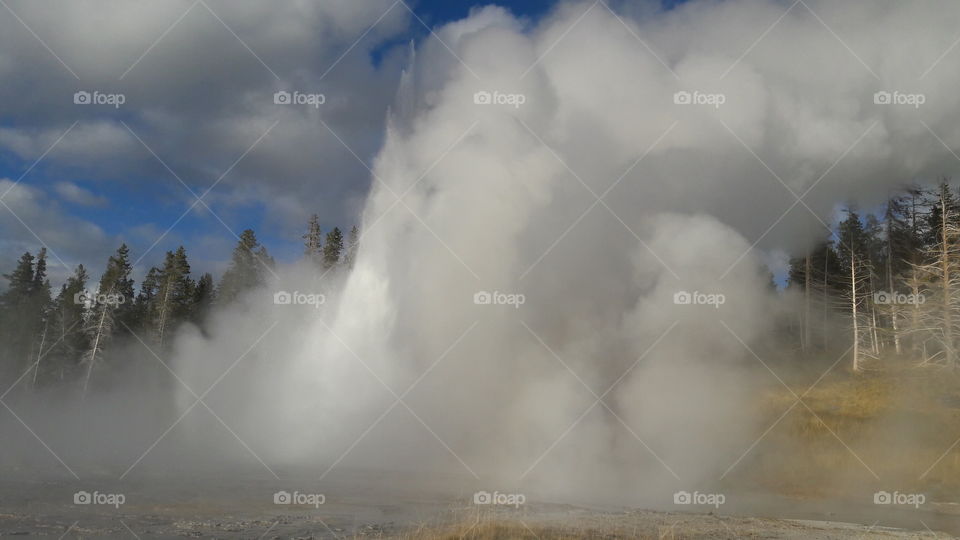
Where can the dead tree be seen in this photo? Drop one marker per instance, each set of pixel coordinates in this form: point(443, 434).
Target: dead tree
point(99, 329)
point(940, 273)
point(806, 301)
point(855, 301)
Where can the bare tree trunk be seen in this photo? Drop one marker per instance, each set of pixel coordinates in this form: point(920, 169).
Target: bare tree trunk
point(806, 302)
point(164, 308)
point(945, 279)
point(914, 278)
point(872, 330)
point(894, 312)
point(95, 347)
point(826, 258)
point(853, 312)
point(915, 312)
point(43, 339)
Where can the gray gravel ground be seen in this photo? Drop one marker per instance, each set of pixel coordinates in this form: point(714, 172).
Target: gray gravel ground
point(378, 506)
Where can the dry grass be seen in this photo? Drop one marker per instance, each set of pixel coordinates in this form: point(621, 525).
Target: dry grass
point(898, 422)
point(518, 530)
point(501, 531)
point(469, 524)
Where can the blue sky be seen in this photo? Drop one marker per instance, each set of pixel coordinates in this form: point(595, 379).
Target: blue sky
point(439, 11)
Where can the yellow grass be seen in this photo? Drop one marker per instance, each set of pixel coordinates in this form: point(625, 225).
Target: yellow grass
point(495, 529)
point(899, 422)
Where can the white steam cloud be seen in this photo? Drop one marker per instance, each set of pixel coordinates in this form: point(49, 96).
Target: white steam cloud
point(500, 193)
point(557, 163)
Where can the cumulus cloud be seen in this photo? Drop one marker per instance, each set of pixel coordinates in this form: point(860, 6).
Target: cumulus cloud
point(73, 193)
point(198, 81)
point(30, 218)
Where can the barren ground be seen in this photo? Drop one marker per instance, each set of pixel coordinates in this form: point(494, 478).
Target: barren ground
point(367, 505)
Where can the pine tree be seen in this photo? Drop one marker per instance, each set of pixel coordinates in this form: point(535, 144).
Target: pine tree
point(145, 300)
point(944, 210)
point(175, 295)
point(203, 298)
point(900, 251)
point(247, 266)
point(66, 326)
point(16, 300)
point(99, 330)
point(20, 280)
point(110, 308)
point(353, 245)
point(855, 261)
point(22, 310)
point(876, 262)
point(333, 248)
point(118, 278)
point(41, 306)
point(818, 276)
point(41, 285)
point(907, 249)
point(313, 242)
point(853, 239)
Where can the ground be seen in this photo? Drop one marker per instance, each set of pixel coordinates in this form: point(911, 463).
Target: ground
point(807, 479)
point(235, 507)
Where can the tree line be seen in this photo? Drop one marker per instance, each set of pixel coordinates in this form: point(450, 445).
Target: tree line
point(50, 338)
point(893, 276)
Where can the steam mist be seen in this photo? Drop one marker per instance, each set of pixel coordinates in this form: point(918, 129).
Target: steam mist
point(597, 199)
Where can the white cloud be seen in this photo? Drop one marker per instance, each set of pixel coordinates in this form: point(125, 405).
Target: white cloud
point(75, 194)
point(199, 98)
point(31, 220)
